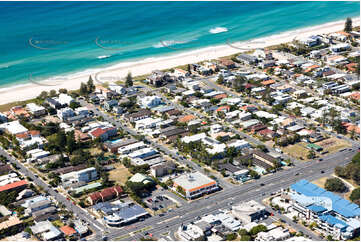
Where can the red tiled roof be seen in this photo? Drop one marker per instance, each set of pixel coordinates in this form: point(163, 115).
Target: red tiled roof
point(98, 132)
point(108, 193)
point(95, 196)
point(186, 118)
point(268, 82)
point(355, 95)
point(222, 108)
point(118, 189)
point(67, 230)
point(351, 66)
point(265, 131)
point(248, 85)
point(13, 185)
point(34, 132)
point(22, 135)
point(220, 96)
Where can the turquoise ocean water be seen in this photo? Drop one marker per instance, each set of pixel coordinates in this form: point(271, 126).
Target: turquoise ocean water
point(46, 39)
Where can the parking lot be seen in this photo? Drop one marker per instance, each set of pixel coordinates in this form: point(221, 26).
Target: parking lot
point(159, 203)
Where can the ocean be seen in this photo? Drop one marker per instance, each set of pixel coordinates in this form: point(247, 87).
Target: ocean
point(40, 40)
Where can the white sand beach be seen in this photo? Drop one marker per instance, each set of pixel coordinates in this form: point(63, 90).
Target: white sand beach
point(118, 71)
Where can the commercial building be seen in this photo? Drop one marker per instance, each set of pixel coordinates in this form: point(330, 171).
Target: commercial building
point(334, 215)
point(249, 211)
point(118, 213)
point(195, 184)
point(190, 232)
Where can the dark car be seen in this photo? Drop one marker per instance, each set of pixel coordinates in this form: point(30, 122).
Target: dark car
point(161, 215)
point(322, 171)
point(262, 184)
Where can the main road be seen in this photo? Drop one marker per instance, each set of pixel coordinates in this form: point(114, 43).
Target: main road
point(257, 189)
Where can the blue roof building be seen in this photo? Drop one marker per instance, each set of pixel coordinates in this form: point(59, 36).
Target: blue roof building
point(334, 215)
point(316, 195)
point(118, 213)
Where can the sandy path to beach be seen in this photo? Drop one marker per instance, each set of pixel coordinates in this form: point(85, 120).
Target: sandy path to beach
point(118, 71)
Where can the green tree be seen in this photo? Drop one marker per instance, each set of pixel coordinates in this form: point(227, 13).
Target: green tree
point(74, 105)
point(254, 174)
point(71, 144)
point(60, 140)
point(256, 229)
point(245, 238)
point(311, 154)
point(90, 85)
point(181, 190)
point(231, 236)
point(355, 195)
point(220, 79)
point(83, 89)
point(129, 80)
point(335, 185)
point(52, 93)
point(348, 25)
point(63, 90)
point(43, 95)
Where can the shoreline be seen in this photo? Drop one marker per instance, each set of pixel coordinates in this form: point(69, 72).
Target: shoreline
point(115, 72)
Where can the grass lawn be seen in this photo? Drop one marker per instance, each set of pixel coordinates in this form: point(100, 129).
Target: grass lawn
point(333, 144)
point(120, 174)
point(58, 223)
point(297, 150)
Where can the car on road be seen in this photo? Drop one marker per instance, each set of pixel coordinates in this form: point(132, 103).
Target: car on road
point(161, 215)
point(297, 174)
point(322, 171)
point(320, 159)
point(262, 184)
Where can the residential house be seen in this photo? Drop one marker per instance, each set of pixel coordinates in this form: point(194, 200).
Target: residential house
point(249, 59)
point(35, 109)
point(141, 114)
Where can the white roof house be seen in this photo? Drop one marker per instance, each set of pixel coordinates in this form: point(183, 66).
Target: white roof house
point(65, 99)
point(238, 144)
point(149, 101)
point(46, 230)
point(147, 123)
point(35, 109)
point(263, 114)
point(340, 47)
point(193, 138)
point(13, 127)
